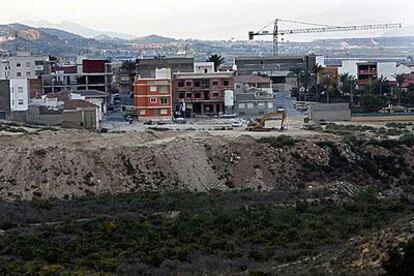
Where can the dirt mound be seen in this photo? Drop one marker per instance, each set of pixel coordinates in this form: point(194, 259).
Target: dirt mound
point(66, 164)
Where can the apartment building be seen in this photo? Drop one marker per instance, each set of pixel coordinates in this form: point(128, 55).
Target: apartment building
point(88, 74)
point(23, 65)
point(14, 98)
point(19, 95)
point(366, 71)
point(153, 96)
point(145, 67)
point(201, 93)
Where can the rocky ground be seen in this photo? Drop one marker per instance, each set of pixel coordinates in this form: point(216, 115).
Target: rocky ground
point(72, 163)
point(276, 174)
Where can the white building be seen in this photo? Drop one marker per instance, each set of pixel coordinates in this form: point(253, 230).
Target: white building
point(363, 70)
point(204, 67)
point(349, 67)
point(19, 95)
point(23, 66)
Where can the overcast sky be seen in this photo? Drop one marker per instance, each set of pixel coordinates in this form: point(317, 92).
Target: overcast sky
point(208, 19)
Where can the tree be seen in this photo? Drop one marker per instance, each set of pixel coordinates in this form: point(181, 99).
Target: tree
point(330, 85)
point(381, 84)
point(348, 85)
point(400, 78)
point(296, 73)
point(316, 70)
point(371, 103)
point(128, 66)
point(217, 60)
point(305, 78)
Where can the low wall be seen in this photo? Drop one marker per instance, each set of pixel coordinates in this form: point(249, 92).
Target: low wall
point(330, 112)
point(380, 117)
point(42, 116)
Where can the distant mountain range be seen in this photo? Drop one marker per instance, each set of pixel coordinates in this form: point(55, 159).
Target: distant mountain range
point(59, 42)
point(77, 29)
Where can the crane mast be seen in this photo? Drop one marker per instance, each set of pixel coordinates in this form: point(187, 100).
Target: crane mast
point(320, 29)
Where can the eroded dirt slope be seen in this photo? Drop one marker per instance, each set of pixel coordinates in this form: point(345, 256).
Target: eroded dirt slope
point(64, 164)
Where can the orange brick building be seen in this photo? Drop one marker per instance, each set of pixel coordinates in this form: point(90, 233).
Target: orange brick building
point(153, 97)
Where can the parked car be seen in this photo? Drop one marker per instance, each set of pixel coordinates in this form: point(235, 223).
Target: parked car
point(180, 121)
point(237, 123)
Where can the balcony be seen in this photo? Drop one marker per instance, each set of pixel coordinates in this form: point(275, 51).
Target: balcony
point(367, 72)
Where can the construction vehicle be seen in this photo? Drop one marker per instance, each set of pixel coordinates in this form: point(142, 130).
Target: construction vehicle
point(266, 123)
point(318, 29)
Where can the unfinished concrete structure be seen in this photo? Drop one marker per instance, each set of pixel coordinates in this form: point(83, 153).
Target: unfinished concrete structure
point(200, 93)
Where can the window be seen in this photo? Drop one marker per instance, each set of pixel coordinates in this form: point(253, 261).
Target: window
point(12, 102)
point(153, 100)
point(205, 71)
point(28, 64)
point(28, 74)
point(270, 105)
point(164, 100)
point(197, 95)
point(242, 106)
point(226, 83)
point(164, 111)
point(153, 89)
point(18, 64)
point(20, 89)
point(197, 84)
point(189, 95)
point(142, 112)
point(164, 89)
point(180, 84)
point(261, 105)
point(250, 105)
point(21, 102)
point(188, 83)
point(181, 95)
point(215, 83)
point(216, 94)
point(19, 74)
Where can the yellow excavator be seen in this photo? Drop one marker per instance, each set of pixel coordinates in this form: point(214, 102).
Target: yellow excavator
point(265, 123)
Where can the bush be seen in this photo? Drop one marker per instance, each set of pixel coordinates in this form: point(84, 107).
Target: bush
point(401, 261)
point(371, 103)
point(407, 139)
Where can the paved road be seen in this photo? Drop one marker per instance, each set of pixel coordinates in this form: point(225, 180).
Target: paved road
point(283, 99)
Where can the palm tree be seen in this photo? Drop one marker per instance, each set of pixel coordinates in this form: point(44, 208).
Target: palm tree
point(305, 78)
point(400, 78)
point(381, 83)
point(348, 85)
point(296, 73)
point(316, 70)
point(352, 82)
point(217, 60)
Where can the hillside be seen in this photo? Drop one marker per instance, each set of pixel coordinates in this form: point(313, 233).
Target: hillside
point(44, 41)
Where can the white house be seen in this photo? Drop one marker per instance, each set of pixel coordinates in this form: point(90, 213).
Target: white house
point(19, 94)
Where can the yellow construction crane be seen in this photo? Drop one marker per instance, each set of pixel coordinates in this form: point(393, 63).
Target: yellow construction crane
point(318, 28)
point(261, 124)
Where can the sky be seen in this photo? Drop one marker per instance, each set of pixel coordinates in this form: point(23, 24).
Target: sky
point(208, 19)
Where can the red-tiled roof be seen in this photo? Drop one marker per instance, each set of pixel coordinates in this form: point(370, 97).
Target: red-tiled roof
point(75, 104)
point(61, 96)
